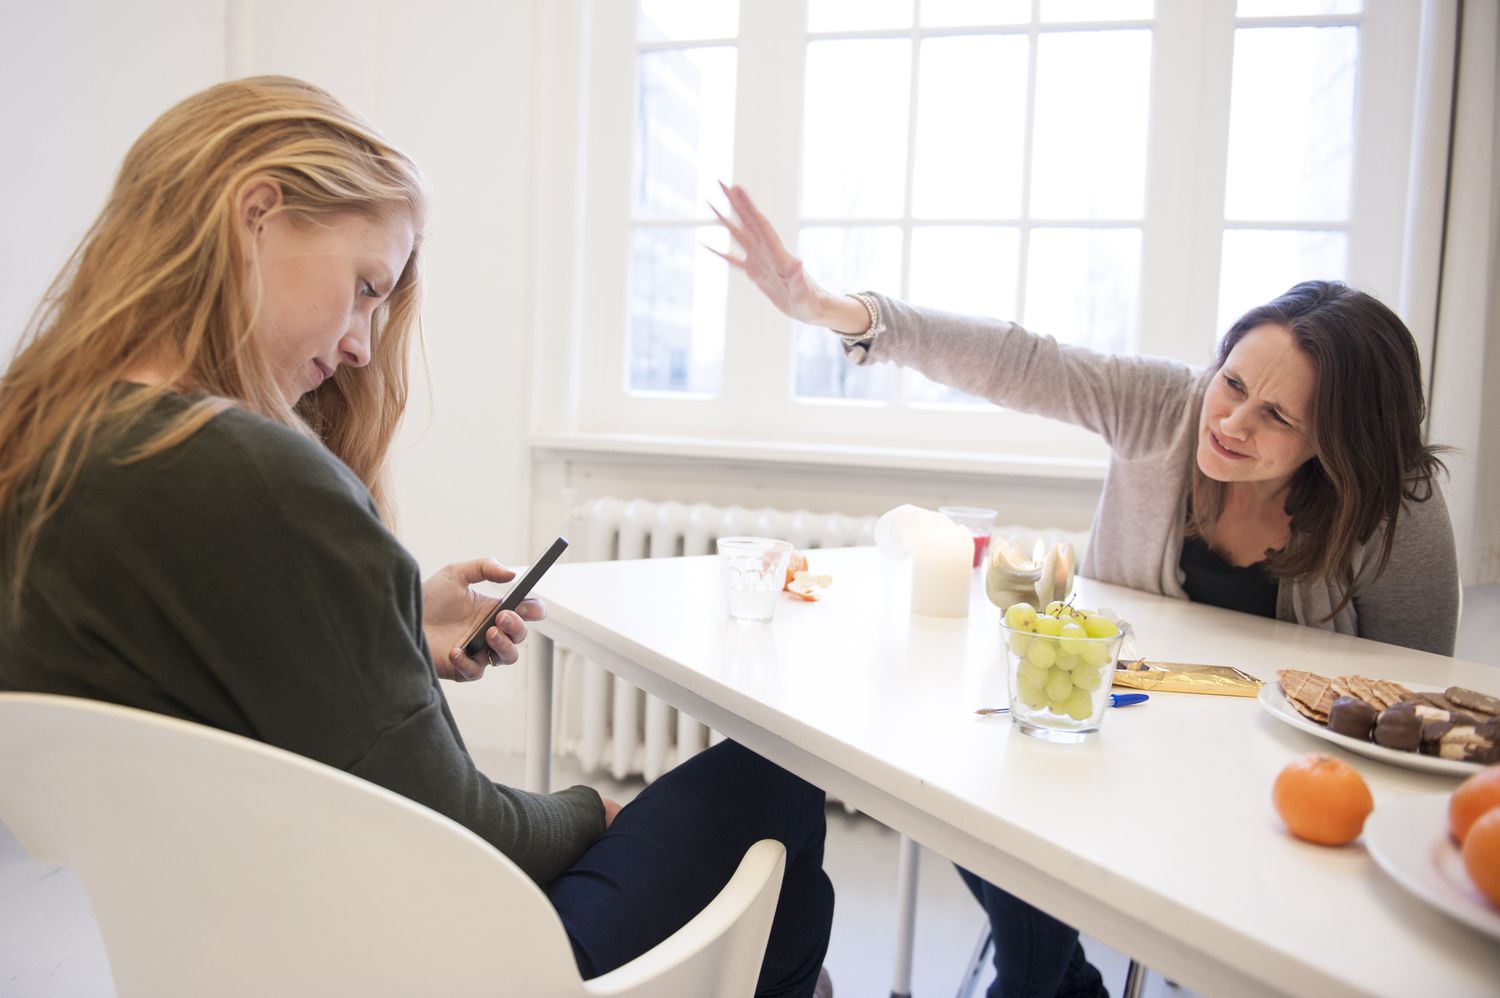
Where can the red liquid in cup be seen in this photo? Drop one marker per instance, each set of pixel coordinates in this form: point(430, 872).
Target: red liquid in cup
point(981, 545)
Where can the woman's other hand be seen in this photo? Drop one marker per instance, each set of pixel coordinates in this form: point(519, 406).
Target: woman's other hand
point(449, 608)
point(780, 275)
point(611, 809)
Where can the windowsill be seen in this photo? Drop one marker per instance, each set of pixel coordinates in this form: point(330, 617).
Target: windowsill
point(974, 463)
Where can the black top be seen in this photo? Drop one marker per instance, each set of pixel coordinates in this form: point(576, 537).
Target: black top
point(1208, 578)
point(243, 579)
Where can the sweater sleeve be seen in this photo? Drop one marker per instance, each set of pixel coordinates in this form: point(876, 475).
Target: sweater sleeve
point(300, 622)
point(1137, 404)
point(1414, 602)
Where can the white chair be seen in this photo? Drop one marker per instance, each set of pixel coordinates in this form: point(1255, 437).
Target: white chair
point(219, 865)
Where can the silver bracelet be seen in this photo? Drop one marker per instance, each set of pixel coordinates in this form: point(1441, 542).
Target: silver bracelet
point(877, 326)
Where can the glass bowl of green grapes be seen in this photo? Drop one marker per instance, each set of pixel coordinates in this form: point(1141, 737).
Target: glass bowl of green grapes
point(1061, 661)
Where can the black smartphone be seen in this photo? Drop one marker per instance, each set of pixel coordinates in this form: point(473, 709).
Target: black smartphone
point(519, 590)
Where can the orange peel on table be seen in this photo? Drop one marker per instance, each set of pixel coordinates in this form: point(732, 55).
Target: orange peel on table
point(801, 582)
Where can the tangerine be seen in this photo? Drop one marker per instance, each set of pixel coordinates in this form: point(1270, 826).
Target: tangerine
point(1322, 800)
point(1473, 798)
point(1482, 854)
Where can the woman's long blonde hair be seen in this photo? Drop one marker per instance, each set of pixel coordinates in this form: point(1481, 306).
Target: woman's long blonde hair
point(162, 281)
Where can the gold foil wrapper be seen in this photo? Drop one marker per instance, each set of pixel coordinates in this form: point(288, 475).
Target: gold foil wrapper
point(1176, 677)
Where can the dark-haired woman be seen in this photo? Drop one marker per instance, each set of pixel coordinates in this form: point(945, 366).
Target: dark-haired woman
point(1290, 479)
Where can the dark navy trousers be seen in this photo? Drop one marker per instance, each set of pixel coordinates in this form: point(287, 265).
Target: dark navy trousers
point(1036, 956)
point(671, 850)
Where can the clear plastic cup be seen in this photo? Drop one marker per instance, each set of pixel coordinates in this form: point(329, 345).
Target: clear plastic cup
point(1059, 684)
point(978, 521)
point(754, 570)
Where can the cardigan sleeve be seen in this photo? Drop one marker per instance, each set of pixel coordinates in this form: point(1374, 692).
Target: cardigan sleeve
point(1137, 404)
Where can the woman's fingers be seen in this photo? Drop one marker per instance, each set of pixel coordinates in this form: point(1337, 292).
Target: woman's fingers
point(734, 230)
point(735, 262)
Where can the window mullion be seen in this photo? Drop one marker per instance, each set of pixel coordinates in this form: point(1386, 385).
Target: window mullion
point(1383, 107)
point(610, 113)
point(1192, 68)
point(758, 356)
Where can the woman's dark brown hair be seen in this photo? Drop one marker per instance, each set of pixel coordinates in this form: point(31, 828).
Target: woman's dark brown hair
point(1366, 428)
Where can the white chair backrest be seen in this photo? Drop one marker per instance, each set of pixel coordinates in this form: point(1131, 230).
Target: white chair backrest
point(216, 864)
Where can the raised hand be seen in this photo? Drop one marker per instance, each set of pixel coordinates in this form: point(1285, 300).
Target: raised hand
point(780, 275)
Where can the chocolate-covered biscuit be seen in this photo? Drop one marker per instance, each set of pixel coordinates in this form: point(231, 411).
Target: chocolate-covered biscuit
point(1473, 700)
point(1432, 735)
point(1437, 700)
point(1398, 727)
point(1471, 743)
point(1353, 717)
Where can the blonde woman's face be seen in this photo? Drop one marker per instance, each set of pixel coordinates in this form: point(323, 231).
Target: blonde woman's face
point(1254, 423)
point(320, 283)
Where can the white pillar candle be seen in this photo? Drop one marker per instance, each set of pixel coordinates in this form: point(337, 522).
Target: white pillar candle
point(941, 554)
point(942, 562)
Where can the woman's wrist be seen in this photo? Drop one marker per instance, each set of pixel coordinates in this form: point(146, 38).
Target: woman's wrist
point(845, 315)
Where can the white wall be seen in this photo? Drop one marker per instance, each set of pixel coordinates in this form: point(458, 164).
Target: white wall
point(80, 81)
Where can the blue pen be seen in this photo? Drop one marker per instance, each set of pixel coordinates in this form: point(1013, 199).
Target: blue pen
point(1115, 700)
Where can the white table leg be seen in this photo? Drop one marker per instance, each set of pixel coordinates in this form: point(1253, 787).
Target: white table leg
point(906, 916)
point(539, 714)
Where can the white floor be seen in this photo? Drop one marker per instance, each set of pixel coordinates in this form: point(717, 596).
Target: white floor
point(50, 947)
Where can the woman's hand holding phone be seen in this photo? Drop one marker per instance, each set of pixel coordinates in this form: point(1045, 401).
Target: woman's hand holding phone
point(449, 606)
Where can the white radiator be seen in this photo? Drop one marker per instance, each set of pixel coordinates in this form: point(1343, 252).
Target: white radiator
point(607, 722)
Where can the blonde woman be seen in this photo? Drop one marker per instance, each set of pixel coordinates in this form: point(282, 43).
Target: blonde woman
point(193, 518)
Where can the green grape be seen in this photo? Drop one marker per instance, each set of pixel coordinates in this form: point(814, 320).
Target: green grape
point(1032, 696)
point(1100, 627)
point(1087, 677)
point(1041, 653)
point(1027, 672)
point(1067, 661)
point(1056, 608)
point(1059, 685)
point(1021, 616)
point(1074, 638)
point(1050, 626)
point(1019, 643)
point(1096, 652)
point(1079, 705)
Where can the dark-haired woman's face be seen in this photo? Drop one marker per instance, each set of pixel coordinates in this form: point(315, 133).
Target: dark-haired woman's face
point(1254, 427)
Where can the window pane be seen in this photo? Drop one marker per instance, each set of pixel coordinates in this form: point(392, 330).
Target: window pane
point(1083, 286)
point(1291, 124)
point(857, 15)
point(1279, 8)
point(854, 129)
point(684, 139)
point(1089, 157)
point(1259, 265)
point(961, 268)
point(950, 13)
point(855, 258)
point(971, 127)
point(687, 20)
point(1097, 10)
point(677, 309)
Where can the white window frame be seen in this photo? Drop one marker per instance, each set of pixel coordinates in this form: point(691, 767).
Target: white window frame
point(1192, 49)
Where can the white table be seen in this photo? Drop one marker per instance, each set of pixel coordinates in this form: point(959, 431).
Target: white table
point(1156, 836)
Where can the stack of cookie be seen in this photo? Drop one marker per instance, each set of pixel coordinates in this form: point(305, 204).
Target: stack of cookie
point(1458, 723)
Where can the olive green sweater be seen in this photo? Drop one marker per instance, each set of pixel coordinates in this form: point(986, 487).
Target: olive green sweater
point(243, 580)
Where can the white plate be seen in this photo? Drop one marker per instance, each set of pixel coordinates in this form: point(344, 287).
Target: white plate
point(1409, 840)
point(1274, 701)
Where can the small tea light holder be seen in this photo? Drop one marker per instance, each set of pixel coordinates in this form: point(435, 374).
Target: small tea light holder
point(1011, 577)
